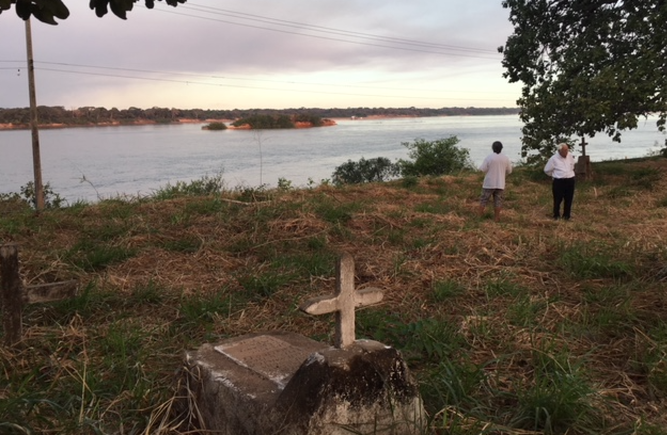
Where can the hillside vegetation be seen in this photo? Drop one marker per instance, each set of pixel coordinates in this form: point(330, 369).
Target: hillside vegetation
point(527, 326)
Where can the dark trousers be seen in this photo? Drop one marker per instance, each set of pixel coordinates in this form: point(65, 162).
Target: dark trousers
point(563, 190)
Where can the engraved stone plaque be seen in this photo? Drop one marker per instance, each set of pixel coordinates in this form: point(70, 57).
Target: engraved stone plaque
point(269, 356)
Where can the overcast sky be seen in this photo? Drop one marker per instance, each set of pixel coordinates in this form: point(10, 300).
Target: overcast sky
point(227, 54)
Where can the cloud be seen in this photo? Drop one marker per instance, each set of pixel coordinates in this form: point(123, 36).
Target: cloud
point(425, 53)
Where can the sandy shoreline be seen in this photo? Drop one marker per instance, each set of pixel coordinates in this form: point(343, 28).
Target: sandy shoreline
point(326, 122)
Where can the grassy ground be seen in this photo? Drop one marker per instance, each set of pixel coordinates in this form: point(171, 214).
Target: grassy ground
point(527, 326)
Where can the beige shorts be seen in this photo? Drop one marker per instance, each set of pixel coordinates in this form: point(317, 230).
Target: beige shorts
point(498, 196)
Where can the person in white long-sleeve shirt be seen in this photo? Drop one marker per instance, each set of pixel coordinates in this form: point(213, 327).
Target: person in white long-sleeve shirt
point(560, 167)
point(496, 166)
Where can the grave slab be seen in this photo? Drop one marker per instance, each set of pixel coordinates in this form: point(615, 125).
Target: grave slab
point(284, 383)
point(365, 388)
point(232, 383)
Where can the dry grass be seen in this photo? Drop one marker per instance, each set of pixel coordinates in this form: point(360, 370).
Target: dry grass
point(188, 270)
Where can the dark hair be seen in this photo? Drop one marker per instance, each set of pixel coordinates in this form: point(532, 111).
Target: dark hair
point(497, 147)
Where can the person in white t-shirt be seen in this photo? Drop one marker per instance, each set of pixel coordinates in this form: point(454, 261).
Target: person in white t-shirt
point(560, 167)
point(496, 166)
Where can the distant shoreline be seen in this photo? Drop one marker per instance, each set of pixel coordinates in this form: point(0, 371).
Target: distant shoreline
point(10, 126)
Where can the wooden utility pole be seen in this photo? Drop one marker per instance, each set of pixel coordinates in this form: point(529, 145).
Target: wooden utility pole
point(36, 157)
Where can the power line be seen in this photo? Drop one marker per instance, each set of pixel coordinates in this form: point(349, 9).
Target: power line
point(306, 26)
point(192, 82)
point(369, 44)
point(217, 77)
point(339, 35)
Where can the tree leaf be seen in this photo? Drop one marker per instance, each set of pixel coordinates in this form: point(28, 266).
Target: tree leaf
point(587, 66)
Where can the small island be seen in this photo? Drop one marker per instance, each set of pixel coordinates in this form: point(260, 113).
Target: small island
point(275, 121)
point(215, 126)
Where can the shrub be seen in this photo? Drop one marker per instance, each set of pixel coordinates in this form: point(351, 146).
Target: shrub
point(215, 126)
point(364, 171)
point(284, 185)
point(435, 158)
point(29, 196)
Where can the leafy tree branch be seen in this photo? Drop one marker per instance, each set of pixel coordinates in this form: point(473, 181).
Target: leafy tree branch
point(587, 66)
point(47, 11)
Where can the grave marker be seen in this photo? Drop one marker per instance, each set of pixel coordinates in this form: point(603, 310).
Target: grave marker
point(13, 295)
point(10, 298)
point(279, 382)
point(582, 168)
point(344, 302)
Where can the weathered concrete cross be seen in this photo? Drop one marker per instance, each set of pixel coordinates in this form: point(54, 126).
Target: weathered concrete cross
point(344, 302)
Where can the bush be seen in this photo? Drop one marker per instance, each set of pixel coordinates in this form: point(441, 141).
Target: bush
point(365, 171)
point(29, 196)
point(435, 158)
point(215, 126)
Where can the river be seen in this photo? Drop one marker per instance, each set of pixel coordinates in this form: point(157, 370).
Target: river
point(102, 162)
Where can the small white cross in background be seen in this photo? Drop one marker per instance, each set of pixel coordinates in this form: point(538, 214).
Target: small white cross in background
point(344, 302)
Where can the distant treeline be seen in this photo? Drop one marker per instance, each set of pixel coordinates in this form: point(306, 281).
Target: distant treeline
point(100, 115)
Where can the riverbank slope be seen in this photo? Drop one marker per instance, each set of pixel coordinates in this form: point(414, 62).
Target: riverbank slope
point(503, 323)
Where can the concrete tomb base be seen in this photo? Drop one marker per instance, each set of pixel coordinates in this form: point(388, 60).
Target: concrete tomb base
point(284, 383)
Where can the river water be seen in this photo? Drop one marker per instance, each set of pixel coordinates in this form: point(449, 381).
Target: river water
point(102, 162)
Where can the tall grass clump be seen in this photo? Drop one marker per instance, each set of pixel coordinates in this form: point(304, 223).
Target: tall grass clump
point(91, 255)
point(594, 260)
point(333, 212)
point(207, 185)
point(452, 383)
point(558, 398)
point(446, 289)
point(430, 339)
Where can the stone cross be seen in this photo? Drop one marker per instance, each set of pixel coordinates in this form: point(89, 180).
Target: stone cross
point(344, 302)
point(582, 168)
point(583, 146)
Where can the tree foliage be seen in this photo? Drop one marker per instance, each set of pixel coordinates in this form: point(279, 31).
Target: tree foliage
point(215, 126)
point(435, 158)
point(47, 11)
point(587, 66)
point(373, 170)
point(258, 122)
point(309, 118)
